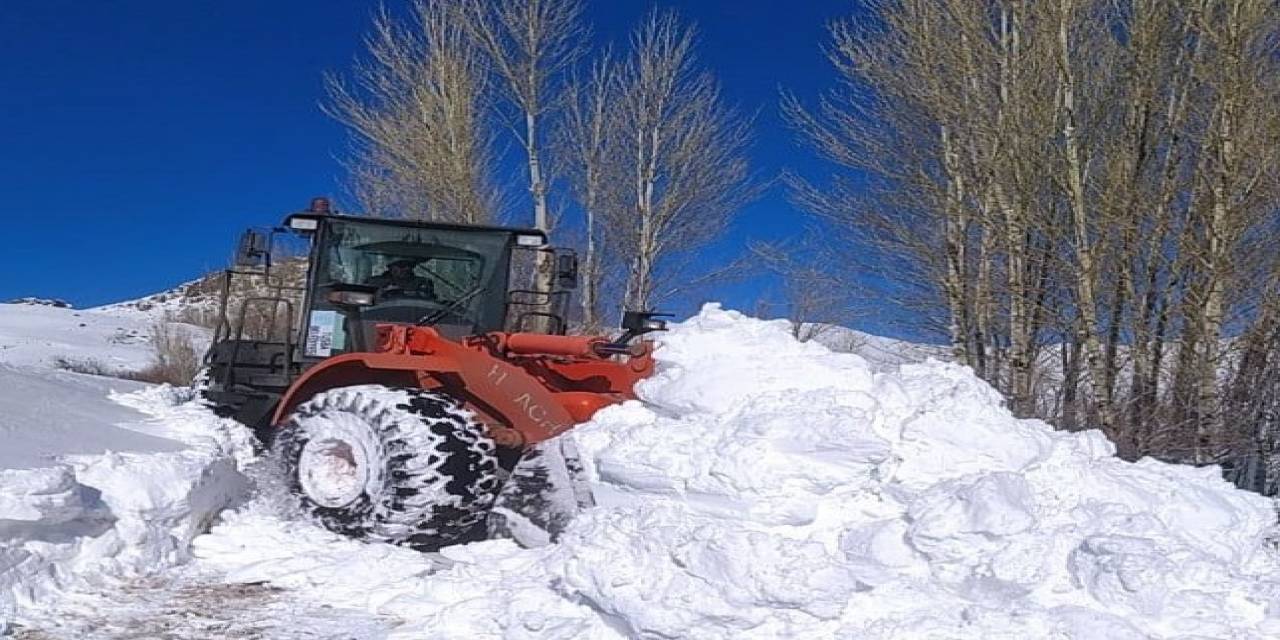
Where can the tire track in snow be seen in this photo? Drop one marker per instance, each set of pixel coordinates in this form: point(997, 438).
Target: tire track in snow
point(192, 605)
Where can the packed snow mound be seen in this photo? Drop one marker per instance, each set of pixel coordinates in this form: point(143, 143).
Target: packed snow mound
point(765, 488)
point(103, 479)
point(45, 414)
point(787, 490)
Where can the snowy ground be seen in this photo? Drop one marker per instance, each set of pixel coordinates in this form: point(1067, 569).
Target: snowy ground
point(113, 339)
point(809, 494)
point(93, 485)
point(42, 336)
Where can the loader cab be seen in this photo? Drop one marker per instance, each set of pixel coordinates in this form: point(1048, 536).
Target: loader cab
point(360, 272)
point(364, 272)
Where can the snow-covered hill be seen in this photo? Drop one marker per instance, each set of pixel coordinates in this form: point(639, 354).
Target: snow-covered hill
point(762, 488)
point(196, 301)
point(201, 293)
point(46, 336)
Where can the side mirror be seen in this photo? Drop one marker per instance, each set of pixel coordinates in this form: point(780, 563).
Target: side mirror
point(252, 250)
point(566, 271)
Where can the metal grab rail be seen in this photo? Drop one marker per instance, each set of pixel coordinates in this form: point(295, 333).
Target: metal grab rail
point(555, 301)
point(288, 333)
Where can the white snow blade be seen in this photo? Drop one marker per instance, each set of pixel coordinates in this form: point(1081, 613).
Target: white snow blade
point(544, 493)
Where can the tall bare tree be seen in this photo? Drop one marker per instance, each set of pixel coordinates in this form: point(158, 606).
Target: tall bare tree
point(416, 110)
point(588, 146)
point(529, 44)
point(816, 295)
point(1075, 190)
point(686, 152)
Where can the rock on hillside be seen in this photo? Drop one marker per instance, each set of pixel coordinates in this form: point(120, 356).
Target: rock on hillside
point(196, 301)
point(41, 302)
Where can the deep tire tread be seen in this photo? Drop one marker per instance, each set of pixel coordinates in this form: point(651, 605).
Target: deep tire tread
point(438, 467)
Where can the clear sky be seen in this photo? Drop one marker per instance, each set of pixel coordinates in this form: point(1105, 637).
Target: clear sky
point(140, 136)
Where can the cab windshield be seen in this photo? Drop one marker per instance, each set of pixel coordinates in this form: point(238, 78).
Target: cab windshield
point(446, 276)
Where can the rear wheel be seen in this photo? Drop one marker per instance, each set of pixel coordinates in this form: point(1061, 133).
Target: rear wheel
point(404, 466)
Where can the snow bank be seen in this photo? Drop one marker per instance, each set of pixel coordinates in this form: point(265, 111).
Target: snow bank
point(72, 515)
point(765, 488)
point(791, 491)
point(45, 414)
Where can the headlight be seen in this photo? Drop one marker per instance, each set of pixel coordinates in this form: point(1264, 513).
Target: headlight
point(303, 224)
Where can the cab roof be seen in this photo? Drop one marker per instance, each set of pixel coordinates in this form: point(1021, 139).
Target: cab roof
point(415, 224)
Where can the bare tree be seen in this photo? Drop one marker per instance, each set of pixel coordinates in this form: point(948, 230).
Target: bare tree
point(1074, 191)
point(416, 110)
point(1240, 176)
point(529, 45)
point(589, 147)
point(816, 295)
point(686, 155)
point(929, 133)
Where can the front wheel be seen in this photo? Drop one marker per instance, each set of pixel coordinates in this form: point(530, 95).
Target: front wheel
point(404, 466)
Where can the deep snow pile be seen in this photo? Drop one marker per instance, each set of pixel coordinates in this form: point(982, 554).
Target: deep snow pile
point(91, 489)
point(46, 414)
point(766, 488)
point(880, 352)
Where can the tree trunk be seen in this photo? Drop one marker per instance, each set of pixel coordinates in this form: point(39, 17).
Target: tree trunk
point(1086, 297)
point(956, 246)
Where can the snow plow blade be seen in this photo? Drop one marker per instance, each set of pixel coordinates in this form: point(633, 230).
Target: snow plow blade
point(545, 491)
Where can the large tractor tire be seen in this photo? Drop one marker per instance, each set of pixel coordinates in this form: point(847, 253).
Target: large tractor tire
point(403, 466)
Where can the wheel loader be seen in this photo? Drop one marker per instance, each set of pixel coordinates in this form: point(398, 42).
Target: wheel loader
point(409, 388)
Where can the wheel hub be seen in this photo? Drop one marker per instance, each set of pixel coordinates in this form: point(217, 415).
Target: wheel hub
point(333, 472)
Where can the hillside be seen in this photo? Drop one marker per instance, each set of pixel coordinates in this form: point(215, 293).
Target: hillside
point(196, 301)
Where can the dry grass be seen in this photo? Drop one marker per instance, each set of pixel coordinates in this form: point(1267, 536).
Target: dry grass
point(175, 358)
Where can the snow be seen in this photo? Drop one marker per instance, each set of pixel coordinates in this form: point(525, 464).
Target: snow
point(32, 335)
point(880, 352)
point(44, 414)
point(113, 340)
point(80, 518)
point(761, 488)
point(99, 477)
point(191, 296)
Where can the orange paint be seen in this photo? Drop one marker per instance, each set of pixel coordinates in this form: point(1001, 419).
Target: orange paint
point(525, 387)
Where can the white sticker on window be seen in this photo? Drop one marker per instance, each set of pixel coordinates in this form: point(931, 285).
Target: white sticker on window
point(320, 333)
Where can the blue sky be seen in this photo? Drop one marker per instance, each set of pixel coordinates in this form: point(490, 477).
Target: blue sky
point(140, 136)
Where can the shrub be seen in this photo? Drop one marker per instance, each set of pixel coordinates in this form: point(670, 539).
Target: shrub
point(176, 359)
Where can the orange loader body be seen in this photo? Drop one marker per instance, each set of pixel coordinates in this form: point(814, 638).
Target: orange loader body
point(525, 387)
point(357, 394)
